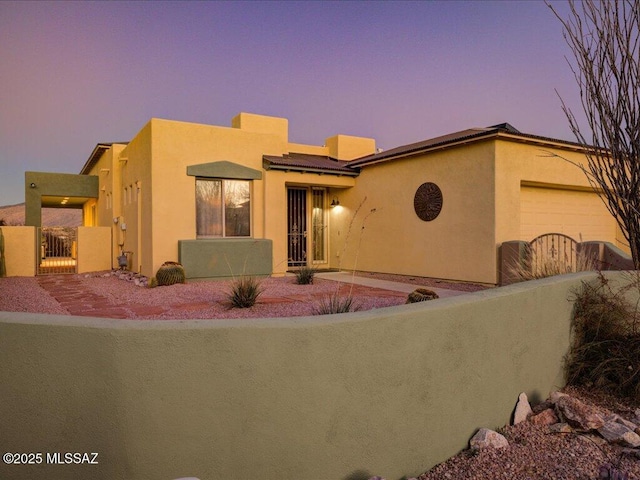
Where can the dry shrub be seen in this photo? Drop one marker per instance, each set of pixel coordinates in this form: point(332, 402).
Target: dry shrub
point(552, 266)
point(606, 343)
point(335, 303)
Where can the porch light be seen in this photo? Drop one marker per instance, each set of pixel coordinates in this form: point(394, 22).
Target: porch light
point(335, 202)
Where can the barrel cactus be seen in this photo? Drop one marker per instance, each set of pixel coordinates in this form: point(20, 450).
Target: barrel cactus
point(170, 273)
point(421, 295)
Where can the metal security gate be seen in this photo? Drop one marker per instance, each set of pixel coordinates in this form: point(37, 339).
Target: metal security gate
point(297, 226)
point(553, 253)
point(57, 250)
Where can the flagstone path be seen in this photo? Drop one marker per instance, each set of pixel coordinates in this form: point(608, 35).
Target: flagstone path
point(73, 295)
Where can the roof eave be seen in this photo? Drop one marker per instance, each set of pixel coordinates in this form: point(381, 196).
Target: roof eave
point(481, 136)
point(319, 171)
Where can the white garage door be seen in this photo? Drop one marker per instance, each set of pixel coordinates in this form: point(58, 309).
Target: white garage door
point(581, 215)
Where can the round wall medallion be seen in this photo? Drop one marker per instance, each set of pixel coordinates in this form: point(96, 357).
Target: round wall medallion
point(428, 201)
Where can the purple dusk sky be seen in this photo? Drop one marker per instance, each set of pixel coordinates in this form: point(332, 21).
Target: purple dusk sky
point(78, 73)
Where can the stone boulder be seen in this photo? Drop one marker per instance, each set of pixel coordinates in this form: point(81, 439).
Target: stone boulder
point(545, 418)
point(578, 414)
point(614, 432)
point(523, 409)
point(487, 438)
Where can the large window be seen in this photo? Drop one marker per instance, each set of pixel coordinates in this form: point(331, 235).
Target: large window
point(223, 208)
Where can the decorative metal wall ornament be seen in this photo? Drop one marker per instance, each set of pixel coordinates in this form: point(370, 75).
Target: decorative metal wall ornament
point(428, 201)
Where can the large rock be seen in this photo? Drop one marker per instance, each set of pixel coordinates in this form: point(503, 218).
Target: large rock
point(523, 409)
point(615, 432)
point(545, 418)
point(487, 438)
point(577, 414)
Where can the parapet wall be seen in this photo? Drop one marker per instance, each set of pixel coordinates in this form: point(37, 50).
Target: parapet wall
point(387, 392)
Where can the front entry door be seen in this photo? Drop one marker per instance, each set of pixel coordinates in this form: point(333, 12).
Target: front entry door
point(297, 226)
point(307, 226)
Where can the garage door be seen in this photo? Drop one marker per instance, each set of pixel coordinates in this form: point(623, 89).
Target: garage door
point(581, 215)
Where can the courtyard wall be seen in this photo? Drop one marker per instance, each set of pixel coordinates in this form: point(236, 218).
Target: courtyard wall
point(387, 392)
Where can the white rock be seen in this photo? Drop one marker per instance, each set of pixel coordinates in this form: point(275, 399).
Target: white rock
point(523, 409)
point(488, 438)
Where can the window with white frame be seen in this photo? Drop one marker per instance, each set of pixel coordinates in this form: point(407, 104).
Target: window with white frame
point(223, 208)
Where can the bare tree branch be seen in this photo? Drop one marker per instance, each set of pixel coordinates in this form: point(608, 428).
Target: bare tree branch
point(605, 42)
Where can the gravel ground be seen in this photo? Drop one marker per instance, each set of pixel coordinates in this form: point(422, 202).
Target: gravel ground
point(23, 294)
point(535, 453)
point(281, 297)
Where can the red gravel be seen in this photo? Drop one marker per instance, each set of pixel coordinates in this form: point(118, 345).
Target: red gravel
point(104, 295)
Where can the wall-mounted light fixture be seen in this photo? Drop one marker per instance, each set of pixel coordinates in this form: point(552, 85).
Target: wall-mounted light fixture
point(33, 185)
point(335, 202)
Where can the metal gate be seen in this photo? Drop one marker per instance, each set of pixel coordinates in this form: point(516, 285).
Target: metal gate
point(57, 250)
point(297, 226)
point(553, 254)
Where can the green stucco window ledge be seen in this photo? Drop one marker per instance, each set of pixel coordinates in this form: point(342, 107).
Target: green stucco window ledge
point(225, 257)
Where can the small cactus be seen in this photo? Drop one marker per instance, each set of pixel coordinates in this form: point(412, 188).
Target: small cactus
point(421, 295)
point(170, 273)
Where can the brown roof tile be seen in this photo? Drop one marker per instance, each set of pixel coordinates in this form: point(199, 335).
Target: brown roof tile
point(471, 134)
point(308, 163)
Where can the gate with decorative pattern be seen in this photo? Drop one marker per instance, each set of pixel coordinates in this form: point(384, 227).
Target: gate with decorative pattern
point(553, 253)
point(58, 250)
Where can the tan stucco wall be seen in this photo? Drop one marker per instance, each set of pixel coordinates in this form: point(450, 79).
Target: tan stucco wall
point(543, 166)
point(389, 392)
point(135, 211)
point(251, 122)
point(108, 205)
point(20, 251)
point(459, 244)
point(158, 158)
point(177, 145)
point(94, 249)
point(347, 147)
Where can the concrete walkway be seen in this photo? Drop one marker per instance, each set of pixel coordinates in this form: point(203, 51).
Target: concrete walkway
point(407, 288)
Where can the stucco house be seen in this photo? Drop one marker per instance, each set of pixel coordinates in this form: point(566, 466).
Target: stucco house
point(244, 199)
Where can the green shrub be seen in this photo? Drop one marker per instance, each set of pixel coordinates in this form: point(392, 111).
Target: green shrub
point(244, 292)
point(170, 273)
point(335, 303)
point(606, 340)
point(304, 275)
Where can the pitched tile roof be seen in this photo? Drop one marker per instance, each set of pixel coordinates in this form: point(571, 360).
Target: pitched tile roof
point(302, 162)
point(463, 136)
